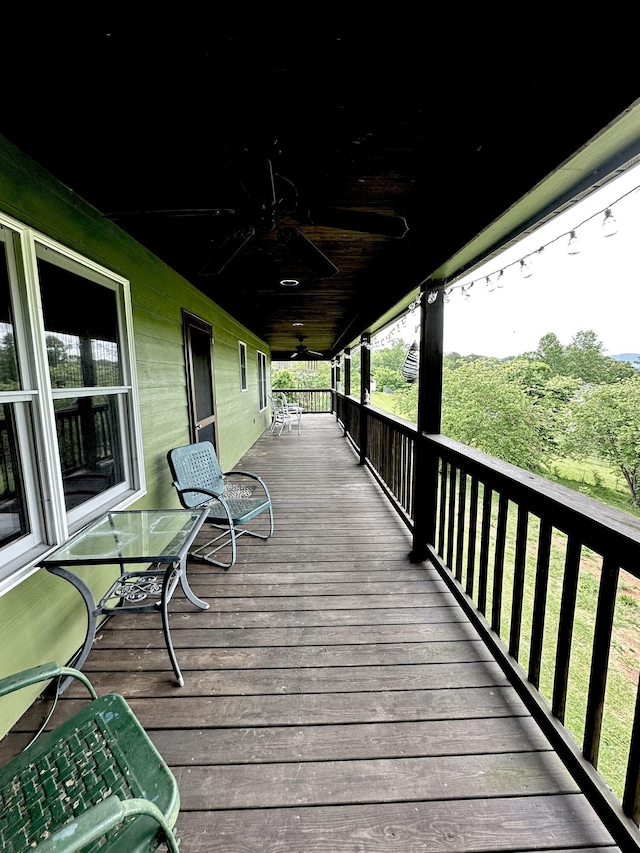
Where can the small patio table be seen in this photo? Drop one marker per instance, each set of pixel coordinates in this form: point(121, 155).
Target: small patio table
point(158, 538)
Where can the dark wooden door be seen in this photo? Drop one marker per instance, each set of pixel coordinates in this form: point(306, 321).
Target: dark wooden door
point(198, 340)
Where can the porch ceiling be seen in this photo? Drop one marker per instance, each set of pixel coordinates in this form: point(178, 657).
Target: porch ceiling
point(445, 127)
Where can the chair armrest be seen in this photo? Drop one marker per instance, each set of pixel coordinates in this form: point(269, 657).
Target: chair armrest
point(43, 672)
point(196, 490)
point(100, 819)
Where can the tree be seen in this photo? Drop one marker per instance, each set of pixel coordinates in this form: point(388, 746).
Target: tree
point(552, 352)
point(405, 401)
point(8, 363)
point(484, 408)
point(584, 359)
point(607, 425)
point(551, 396)
point(301, 374)
point(390, 358)
point(385, 377)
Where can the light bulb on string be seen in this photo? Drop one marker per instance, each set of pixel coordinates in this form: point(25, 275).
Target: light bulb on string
point(499, 280)
point(609, 224)
point(525, 268)
point(573, 246)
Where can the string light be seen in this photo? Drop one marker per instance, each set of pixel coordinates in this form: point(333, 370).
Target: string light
point(525, 268)
point(573, 246)
point(495, 280)
point(609, 224)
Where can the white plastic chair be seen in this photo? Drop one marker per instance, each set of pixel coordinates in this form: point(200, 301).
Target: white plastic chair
point(294, 409)
point(282, 417)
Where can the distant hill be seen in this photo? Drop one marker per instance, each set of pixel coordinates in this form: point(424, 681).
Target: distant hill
point(633, 357)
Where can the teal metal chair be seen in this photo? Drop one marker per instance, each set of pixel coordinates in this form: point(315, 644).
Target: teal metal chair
point(94, 783)
point(234, 498)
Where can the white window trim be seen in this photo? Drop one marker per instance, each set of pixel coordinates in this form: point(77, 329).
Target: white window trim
point(261, 361)
point(57, 523)
point(244, 375)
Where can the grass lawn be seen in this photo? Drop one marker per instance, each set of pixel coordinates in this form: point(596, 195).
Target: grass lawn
point(596, 479)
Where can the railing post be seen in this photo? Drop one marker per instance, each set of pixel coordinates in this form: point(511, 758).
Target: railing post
point(425, 486)
point(347, 371)
point(365, 381)
point(347, 390)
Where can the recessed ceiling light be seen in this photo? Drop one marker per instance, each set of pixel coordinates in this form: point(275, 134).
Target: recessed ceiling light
point(289, 282)
point(298, 324)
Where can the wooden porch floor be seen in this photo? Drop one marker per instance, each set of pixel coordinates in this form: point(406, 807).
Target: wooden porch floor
point(336, 698)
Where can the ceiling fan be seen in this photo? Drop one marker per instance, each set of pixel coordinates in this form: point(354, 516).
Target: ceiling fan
point(303, 351)
point(269, 202)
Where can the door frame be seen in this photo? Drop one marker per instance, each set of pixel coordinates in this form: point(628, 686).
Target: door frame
point(189, 322)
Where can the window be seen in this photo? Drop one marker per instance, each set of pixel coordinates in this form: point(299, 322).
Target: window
point(262, 381)
point(243, 366)
point(68, 429)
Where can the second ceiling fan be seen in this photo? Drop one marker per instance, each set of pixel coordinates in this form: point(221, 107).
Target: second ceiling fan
point(303, 351)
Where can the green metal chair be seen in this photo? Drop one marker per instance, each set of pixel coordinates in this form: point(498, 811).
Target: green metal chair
point(94, 783)
point(234, 498)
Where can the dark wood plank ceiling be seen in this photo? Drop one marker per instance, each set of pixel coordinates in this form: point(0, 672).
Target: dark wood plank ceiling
point(439, 118)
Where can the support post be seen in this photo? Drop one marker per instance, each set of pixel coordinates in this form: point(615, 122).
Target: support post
point(347, 372)
point(346, 421)
point(365, 381)
point(425, 484)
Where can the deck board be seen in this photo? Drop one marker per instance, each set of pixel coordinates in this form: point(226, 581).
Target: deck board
point(336, 698)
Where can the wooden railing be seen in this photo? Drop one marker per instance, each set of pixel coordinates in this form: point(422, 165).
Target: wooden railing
point(314, 400)
point(74, 434)
point(524, 556)
point(72, 442)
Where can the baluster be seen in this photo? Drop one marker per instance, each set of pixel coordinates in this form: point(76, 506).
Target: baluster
point(471, 538)
point(540, 602)
point(518, 581)
point(453, 474)
point(485, 539)
point(600, 659)
point(462, 504)
point(565, 626)
point(498, 564)
point(443, 507)
point(631, 798)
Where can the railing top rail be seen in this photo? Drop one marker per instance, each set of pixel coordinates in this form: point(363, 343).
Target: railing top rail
point(600, 527)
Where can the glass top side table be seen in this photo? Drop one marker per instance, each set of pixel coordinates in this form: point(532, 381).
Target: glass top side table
point(159, 539)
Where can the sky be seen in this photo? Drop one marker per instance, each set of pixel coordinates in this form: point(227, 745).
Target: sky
point(598, 288)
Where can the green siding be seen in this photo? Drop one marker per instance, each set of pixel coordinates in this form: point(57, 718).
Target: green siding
point(43, 619)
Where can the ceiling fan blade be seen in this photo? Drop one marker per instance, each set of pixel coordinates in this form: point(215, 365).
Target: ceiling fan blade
point(226, 251)
point(308, 252)
point(359, 220)
point(118, 216)
point(314, 352)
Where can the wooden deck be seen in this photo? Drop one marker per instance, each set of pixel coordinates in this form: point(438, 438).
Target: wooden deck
point(336, 699)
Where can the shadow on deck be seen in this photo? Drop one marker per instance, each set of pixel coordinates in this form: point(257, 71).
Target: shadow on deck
point(336, 697)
